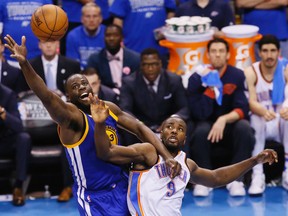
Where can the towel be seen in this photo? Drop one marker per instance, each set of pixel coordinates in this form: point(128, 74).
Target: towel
point(212, 79)
point(279, 82)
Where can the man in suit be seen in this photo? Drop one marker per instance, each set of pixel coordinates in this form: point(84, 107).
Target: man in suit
point(11, 76)
point(13, 141)
point(102, 91)
point(153, 94)
point(54, 68)
point(114, 61)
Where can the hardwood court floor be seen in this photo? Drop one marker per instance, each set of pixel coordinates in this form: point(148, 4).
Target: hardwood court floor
point(273, 203)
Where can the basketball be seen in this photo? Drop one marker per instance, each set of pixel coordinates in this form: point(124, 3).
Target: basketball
point(49, 23)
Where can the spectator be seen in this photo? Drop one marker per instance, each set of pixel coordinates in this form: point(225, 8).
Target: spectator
point(270, 17)
point(73, 10)
point(13, 141)
point(139, 19)
point(88, 38)
point(15, 16)
point(219, 12)
point(55, 70)
point(153, 94)
point(220, 120)
point(266, 81)
point(102, 91)
point(114, 62)
point(53, 67)
point(11, 76)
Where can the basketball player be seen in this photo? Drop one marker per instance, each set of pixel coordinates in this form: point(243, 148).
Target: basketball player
point(266, 79)
point(100, 187)
point(151, 191)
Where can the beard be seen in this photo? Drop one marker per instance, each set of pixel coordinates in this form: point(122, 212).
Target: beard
point(84, 108)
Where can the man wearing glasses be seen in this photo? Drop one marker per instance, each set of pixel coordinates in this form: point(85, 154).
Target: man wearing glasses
point(153, 94)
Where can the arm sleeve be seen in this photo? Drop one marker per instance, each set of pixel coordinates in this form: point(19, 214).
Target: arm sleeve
point(200, 103)
point(240, 101)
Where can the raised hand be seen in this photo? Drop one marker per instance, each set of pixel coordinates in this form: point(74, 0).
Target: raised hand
point(268, 155)
point(99, 110)
point(18, 52)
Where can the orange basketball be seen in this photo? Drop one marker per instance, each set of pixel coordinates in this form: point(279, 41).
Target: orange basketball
point(49, 23)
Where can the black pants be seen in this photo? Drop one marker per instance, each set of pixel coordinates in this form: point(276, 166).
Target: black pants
point(17, 146)
point(238, 140)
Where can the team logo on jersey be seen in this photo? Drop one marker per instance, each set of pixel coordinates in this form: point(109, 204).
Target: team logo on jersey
point(111, 132)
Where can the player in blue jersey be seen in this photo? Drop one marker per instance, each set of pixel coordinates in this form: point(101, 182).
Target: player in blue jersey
point(151, 190)
point(99, 187)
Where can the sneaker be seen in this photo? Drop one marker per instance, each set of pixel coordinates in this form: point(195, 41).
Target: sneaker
point(201, 191)
point(257, 186)
point(285, 179)
point(236, 188)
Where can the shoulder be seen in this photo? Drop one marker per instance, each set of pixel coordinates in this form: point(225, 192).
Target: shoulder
point(75, 32)
point(36, 59)
point(130, 52)
point(68, 60)
point(235, 72)
point(131, 78)
point(172, 77)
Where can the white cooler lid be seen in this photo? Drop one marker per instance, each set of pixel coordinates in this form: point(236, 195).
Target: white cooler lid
point(240, 31)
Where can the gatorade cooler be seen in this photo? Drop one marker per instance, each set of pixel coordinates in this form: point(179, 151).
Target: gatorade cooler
point(241, 39)
point(186, 52)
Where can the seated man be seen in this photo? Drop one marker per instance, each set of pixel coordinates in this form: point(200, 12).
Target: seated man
point(151, 191)
point(220, 108)
point(267, 81)
point(153, 94)
point(114, 61)
point(13, 141)
point(102, 91)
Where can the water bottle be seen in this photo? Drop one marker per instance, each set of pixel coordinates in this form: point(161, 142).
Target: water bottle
point(47, 193)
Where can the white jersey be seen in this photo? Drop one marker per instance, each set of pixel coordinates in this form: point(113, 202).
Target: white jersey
point(264, 89)
point(152, 192)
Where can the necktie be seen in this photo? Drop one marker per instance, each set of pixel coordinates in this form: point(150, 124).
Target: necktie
point(151, 90)
point(49, 77)
point(111, 58)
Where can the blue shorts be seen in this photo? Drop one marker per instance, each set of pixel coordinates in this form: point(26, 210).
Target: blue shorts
point(112, 201)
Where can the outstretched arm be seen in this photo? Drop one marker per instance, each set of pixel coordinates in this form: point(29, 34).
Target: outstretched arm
point(227, 174)
point(58, 110)
point(113, 153)
point(136, 127)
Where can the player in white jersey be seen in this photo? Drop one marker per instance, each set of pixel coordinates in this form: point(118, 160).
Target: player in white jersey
point(266, 81)
point(151, 191)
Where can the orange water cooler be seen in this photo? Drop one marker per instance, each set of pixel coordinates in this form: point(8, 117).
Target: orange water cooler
point(186, 52)
point(241, 39)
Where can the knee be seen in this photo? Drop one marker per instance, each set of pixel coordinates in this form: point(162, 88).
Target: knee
point(24, 140)
point(202, 129)
point(243, 127)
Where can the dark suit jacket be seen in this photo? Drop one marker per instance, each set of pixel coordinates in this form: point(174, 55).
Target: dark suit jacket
point(66, 67)
point(170, 99)
point(13, 78)
point(13, 123)
point(100, 62)
point(107, 94)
